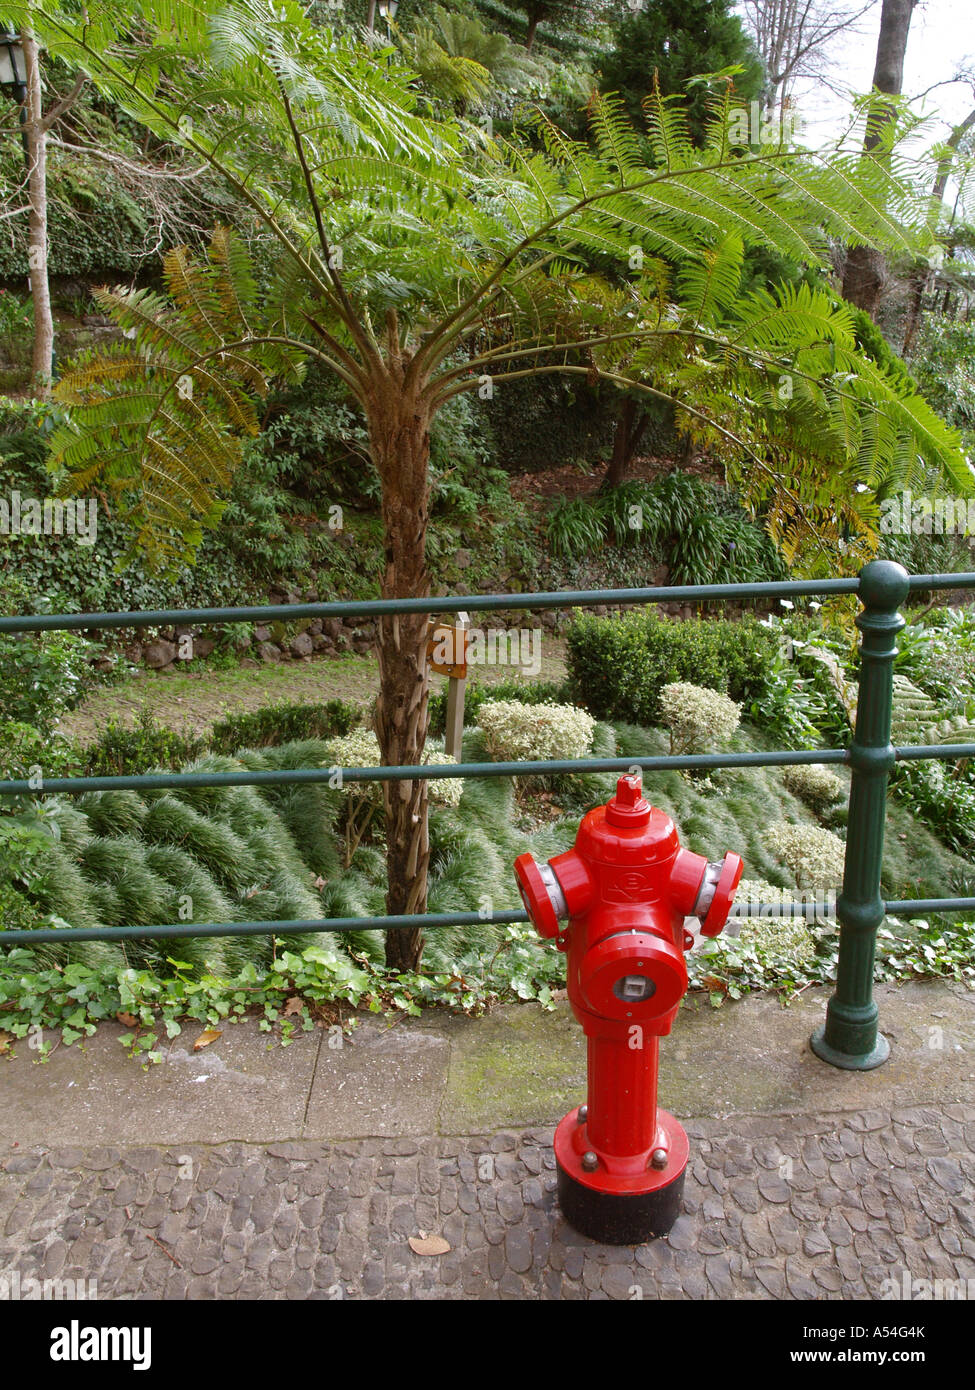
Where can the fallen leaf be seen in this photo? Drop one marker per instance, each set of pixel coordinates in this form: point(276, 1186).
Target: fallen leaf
point(208, 1036)
point(713, 983)
point(129, 1020)
point(559, 994)
point(5, 1040)
point(429, 1245)
point(320, 883)
point(293, 1006)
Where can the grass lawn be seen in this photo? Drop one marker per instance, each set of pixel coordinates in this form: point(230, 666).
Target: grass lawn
point(192, 700)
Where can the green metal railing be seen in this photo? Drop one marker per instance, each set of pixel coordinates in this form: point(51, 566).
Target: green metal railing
point(849, 1037)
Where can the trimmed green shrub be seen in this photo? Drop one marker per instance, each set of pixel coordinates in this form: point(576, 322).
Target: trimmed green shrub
point(619, 666)
point(121, 751)
point(283, 723)
point(42, 674)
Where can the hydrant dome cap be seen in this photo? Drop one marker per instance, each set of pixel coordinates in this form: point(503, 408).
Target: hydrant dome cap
point(628, 806)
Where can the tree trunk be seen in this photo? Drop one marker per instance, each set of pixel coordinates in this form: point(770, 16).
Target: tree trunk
point(864, 273)
point(400, 439)
point(530, 36)
point(921, 273)
point(630, 429)
point(36, 136)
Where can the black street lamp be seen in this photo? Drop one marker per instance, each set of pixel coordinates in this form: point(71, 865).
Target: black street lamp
point(13, 76)
point(387, 9)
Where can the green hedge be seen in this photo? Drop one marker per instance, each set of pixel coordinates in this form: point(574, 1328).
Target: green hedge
point(618, 666)
point(121, 751)
point(283, 723)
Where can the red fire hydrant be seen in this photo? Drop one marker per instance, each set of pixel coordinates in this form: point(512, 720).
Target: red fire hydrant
point(625, 890)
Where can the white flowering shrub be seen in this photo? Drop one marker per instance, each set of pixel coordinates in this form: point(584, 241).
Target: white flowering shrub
point(364, 800)
point(814, 784)
point(784, 938)
point(360, 748)
point(814, 856)
point(697, 717)
point(445, 791)
point(513, 731)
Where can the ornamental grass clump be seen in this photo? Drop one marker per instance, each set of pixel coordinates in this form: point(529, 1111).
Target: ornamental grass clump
point(360, 748)
point(814, 784)
point(697, 717)
point(814, 856)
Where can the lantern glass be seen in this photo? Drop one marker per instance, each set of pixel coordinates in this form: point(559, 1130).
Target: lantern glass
point(388, 8)
point(13, 72)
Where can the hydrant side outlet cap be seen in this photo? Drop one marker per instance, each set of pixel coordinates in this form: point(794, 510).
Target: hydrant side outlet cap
point(724, 895)
point(535, 896)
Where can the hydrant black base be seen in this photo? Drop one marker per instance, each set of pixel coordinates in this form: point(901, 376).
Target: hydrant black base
point(619, 1219)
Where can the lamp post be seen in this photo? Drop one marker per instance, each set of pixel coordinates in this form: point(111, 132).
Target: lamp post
point(387, 10)
point(13, 77)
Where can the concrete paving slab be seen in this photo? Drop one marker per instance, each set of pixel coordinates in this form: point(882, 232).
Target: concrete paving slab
point(521, 1066)
point(517, 1066)
point(754, 1057)
point(237, 1088)
point(386, 1080)
point(250, 1172)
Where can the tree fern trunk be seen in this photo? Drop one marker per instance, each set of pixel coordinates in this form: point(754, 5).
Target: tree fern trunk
point(864, 275)
point(630, 428)
point(401, 450)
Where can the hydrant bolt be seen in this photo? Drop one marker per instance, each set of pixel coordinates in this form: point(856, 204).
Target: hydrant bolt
point(658, 1159)
point(590, 1161)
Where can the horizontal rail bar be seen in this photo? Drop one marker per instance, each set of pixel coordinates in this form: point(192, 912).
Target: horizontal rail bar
point(919, 907)
point(163, 781)
point(907, 907)
point(476, 603)
point(896, 907)
point(965, 580)
point(374, 608)
point(916, 752)
point(406, 922)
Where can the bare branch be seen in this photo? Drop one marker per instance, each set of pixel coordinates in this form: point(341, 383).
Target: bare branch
point(65, 104)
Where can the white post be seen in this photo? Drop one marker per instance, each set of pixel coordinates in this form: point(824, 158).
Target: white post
point(455, 703)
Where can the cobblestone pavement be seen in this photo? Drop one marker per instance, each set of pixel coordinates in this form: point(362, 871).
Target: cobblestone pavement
point(807, 1207)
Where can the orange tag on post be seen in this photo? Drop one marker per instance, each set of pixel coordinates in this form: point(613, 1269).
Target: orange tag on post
point(447, 650)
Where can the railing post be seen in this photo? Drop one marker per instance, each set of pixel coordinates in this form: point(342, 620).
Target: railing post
point(849, 1037)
